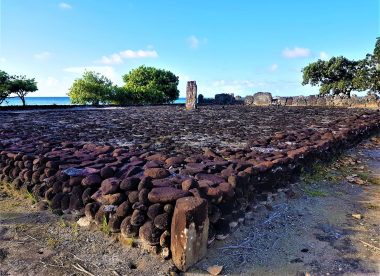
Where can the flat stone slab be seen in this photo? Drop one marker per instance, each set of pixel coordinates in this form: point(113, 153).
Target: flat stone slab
point(166, 194)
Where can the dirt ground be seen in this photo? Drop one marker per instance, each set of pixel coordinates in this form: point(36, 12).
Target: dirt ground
point(331, 226)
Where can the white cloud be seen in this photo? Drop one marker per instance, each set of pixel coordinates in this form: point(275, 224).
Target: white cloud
point(139, 54)
point(273, 67)
point(112, 59)
point(296, 52)
point(323, 55)
point(52, 87)
point(193, 41)
point(234, 86)
point(64, 6)
point(2, 60)
point(43, 56)
point(118, 58)
point(107, 71)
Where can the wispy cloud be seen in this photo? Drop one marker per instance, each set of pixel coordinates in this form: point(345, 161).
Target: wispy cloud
point(118, 58)
point(193, 41)
point(234, 86)
point(296, 52)
point(43, 55)
point(2, 60)
point(273, 67)
point(107, 71)
point(323, 55)
point(64, 6)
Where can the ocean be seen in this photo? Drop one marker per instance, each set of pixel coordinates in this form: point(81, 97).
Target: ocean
point(51, 101)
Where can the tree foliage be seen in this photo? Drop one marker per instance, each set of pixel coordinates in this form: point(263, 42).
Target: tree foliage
point(143, 85)
point(92, 88)
point(341, 75)
point(18, 85)
point(151, 85)
point(21, 86)
point(334, 76)
point(4, 86)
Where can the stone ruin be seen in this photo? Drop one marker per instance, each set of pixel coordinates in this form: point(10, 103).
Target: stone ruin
point(265, 99)
point(260, 99)
point(220, 99)
point(175, 205)
point(191, 95)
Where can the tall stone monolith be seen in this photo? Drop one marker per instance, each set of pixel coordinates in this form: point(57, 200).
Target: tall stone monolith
point(189, 231)
point(191, 95)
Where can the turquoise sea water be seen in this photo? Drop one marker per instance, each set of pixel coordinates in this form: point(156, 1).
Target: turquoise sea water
point(50, 101)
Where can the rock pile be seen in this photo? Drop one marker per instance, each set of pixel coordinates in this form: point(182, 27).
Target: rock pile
point(135, 189)
point(265, 99)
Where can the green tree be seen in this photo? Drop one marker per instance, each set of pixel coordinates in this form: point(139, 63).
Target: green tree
point(4, 86)
point(152, 85)
point(367, 75)
point(123, 96)
point(93, 88)
point(376, 52)
point(21, 86)
point(334, 76)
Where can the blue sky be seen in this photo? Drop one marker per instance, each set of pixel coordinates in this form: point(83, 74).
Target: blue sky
point(240, 46)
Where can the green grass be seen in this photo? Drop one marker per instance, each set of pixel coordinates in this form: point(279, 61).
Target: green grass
point(52, 242)
point(30, 196)
point(315, 193)
point(62, 223)
point(105, 227)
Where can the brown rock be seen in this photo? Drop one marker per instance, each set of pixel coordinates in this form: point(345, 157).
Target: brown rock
point(189, 184)
point(162, 221)
point(127, 229)
point(124, 209)
point(165, 239)
point(156, 173)
point(110, 186)
point(166, 194)
point(175, 161)
point(75, 180)
point(215, 179)
point(130, 183)
point(154, 210)
point(92, 180)
point(149, 234)
point(133, 197)
point(114, 224)
point(157, 157)
point(226, 189)
point(90, 210)
point(143, 196)
point(189, 232)
point(107, 172)
point(138, 218)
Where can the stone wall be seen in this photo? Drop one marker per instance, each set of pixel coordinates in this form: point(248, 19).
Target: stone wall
point(220, 99)
point(260, 98)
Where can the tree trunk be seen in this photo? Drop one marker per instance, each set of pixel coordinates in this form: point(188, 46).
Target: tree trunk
point(23, 101)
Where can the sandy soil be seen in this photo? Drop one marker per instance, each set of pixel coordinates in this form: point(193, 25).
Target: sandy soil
point(312, 233)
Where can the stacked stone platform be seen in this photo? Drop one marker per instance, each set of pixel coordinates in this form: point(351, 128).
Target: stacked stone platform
point(131, 166)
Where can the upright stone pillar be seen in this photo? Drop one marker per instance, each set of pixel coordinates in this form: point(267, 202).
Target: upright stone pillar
point(189, 231)
point(191, 95)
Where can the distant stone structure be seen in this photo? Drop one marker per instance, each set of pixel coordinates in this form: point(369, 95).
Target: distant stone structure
point(224, 98)
point(262, 98)
point(221, 99)
point(265, 99)
point(191, 95)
